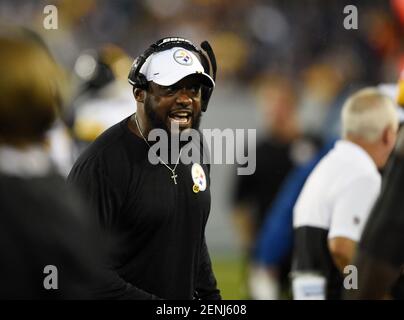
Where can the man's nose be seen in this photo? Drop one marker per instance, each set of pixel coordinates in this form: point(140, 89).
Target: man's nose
point(184, 97)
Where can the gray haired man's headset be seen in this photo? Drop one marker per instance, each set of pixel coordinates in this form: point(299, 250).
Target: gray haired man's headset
point(208, 61)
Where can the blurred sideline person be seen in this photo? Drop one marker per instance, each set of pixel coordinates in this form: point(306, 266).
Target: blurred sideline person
point(276, 238)
point(277, 154)
point(336, 199)
point(324, 89)
point(42, 221)
point(155, 214)
point(103, 98)
point(380, 258)
point(275, 241)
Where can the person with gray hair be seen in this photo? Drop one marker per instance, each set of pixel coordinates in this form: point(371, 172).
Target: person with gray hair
point(369, 119)
point(336, 200)
point(380, 259)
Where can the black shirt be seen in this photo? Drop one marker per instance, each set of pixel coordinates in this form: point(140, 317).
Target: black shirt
point(42, 223)
point(383, 236)
point(156, 227)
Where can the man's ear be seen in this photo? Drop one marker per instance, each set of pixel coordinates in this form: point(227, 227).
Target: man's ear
point(389, 135)
point(139, 94)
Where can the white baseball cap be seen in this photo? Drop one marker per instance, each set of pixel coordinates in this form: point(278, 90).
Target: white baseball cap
point(170, 66)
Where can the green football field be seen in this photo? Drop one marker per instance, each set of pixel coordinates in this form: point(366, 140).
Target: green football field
point(228, 273)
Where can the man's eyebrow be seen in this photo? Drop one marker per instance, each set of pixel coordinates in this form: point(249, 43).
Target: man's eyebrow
point(166, 87)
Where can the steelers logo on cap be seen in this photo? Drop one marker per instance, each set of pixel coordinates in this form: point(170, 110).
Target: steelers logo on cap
point(199, 177)
point(183, 57)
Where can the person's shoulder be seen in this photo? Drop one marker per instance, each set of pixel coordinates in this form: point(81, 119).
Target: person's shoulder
point(325, 167)
point(117, 145)
point(113, 155)
point(338, 165)
point(110, 140)
point(51, 186)
point(367, 181)
point(362, 172)
point(55, 214)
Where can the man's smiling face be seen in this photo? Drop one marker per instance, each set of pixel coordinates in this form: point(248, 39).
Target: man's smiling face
point(177, 106)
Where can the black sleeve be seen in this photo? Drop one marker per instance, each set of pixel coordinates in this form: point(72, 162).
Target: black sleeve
point(93, 181)
point(383, 235)
point(380, 253)
point(90, 178)
point(206, 287)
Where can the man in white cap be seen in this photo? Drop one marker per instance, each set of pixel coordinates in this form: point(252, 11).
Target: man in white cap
point(154, 215)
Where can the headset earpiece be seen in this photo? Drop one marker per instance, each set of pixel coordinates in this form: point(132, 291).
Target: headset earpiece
point(211, 65)
point(136, 78)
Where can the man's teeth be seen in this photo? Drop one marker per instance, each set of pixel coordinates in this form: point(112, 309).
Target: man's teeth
point(180, 114)
point(181, 118)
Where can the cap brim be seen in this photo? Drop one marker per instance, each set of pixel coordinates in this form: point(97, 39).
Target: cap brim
point(202, 77)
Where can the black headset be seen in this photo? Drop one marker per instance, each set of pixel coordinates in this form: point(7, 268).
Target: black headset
point(138, 80)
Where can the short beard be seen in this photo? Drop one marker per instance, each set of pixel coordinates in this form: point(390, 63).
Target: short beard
point(154, 121)
point(196, 121)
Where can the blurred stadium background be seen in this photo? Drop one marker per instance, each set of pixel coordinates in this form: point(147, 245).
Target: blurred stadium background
point(302, 43)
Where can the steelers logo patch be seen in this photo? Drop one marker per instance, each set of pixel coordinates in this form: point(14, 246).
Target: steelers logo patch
point(199, 177)
point(183, 57)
